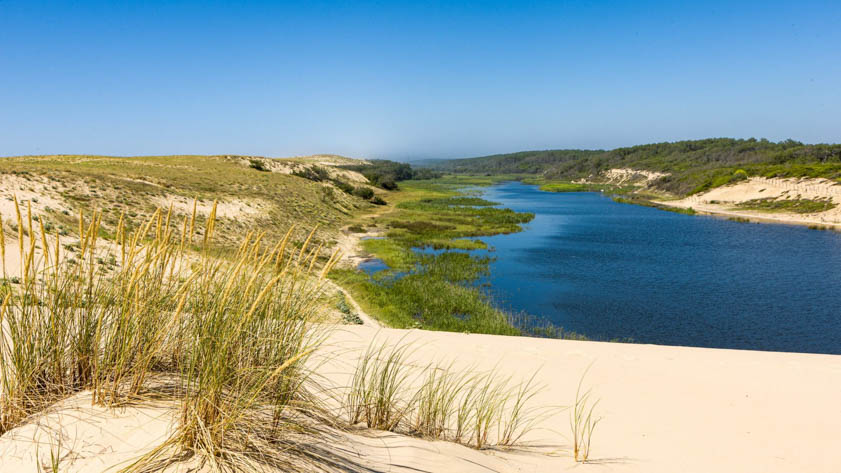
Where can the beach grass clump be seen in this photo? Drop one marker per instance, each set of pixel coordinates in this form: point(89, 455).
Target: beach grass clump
point(224, 336)
point(520, 416)
point(480, 410)
point(379, 387)
point(45, 341)
point(249, 335)
point(487, 397)
point(436, 401)
point(582, 422)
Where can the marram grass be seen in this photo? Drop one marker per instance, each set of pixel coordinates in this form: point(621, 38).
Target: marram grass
point(226, 338)
point(478, 409)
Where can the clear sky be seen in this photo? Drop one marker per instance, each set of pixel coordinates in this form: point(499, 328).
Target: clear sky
point(406, 80)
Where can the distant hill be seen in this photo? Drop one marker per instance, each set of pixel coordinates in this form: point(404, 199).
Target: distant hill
point(692, 166)
point(524, 162)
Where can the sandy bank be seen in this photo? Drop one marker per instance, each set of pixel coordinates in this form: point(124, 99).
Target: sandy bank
point(723, 200)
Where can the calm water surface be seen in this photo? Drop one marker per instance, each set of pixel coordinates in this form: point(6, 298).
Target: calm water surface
point(611, 270)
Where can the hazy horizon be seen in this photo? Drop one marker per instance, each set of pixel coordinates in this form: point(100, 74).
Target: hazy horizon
point(410, 81)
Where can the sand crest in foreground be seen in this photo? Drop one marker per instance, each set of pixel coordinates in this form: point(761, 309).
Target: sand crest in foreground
point(665, 409)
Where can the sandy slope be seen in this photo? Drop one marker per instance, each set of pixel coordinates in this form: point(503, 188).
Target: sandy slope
point(722, 200)
point(664, 409)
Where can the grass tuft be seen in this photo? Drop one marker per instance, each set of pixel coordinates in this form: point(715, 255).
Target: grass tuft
point(225, 336)
point(582, 422)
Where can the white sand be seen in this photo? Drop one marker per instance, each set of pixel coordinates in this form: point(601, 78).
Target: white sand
point(620, 176)
point(664, 409)
point(722, 200)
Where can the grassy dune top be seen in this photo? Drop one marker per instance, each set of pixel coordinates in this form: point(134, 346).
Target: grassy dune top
point(252, 192)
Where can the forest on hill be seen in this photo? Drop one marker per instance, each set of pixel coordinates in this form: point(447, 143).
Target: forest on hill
point(692, 166)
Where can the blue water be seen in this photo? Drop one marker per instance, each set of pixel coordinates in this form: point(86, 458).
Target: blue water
point(372, 266)
point(611, 270)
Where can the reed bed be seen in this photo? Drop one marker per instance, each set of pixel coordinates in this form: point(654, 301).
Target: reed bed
point(480, 410)
point(225, 337)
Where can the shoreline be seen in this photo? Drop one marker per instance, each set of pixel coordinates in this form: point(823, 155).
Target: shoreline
point(701, 207)
point(754, 216)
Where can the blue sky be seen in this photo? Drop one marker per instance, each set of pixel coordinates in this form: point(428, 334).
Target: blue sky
point(406, 80)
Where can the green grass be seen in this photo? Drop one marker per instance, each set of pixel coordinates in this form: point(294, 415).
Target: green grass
point(568, 187)
point(437, 295)
point(395, 255)
point(802, 206)
point(461, 180)
point(426, 222)
point(439, 292)
point(645, 202)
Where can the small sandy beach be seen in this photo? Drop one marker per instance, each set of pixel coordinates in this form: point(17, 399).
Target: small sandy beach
point(722, 201)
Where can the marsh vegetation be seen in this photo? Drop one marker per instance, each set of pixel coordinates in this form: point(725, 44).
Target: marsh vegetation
point(441, 289)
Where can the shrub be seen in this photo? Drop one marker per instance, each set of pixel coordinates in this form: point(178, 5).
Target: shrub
point(378, 201)
point(313, 173)
point(363, 192)
point(343, 186)
point(258, 164)
point(388, 183)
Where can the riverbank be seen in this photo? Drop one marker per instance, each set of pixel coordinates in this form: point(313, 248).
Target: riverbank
point(811, 202)
point(431, 291)
point(735, 200)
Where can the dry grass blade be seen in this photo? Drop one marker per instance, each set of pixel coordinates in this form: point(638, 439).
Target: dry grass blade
point(519, 417)
point(379, 386)
point(582, 422)
point(229, 338)
point(436, 401)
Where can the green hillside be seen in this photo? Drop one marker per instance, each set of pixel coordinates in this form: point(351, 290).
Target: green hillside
point(693, 166)
point(254, 193)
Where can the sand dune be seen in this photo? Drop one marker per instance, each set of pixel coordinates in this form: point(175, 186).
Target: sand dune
point(664, 409)
point(722, 200)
